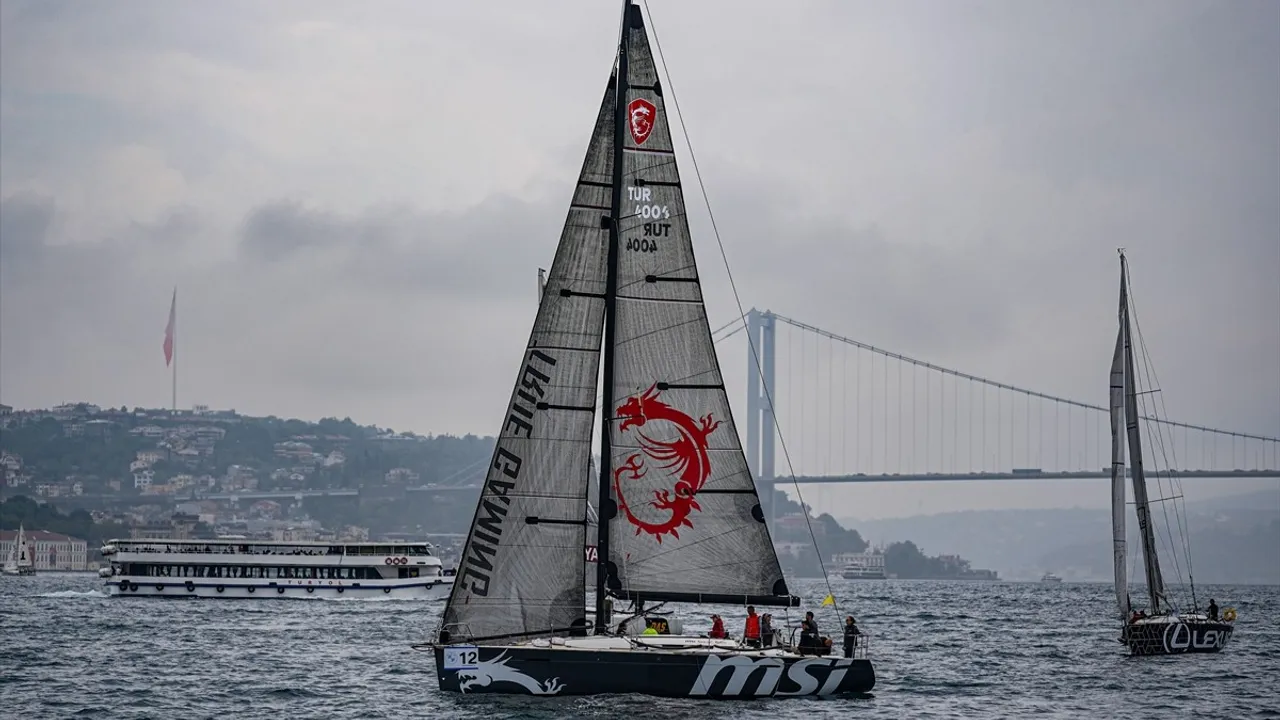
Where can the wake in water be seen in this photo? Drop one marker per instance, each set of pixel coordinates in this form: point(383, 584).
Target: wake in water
point(74, 594)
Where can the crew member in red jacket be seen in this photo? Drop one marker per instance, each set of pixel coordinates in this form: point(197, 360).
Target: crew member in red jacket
point(752, 632)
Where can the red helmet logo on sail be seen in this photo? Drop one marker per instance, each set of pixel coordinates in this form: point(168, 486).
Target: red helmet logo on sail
point(684, 458)
point(641, 114)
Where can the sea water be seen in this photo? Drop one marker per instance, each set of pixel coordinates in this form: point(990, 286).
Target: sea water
point(941, 650)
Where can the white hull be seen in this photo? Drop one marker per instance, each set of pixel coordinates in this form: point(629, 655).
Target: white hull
point(437, 588)
point(863, 575)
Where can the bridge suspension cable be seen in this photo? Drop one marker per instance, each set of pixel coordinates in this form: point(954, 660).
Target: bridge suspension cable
point(999, 385)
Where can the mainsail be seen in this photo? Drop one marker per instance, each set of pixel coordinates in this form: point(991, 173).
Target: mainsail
point(1118, 495)
point(521, 573)
point(1155, 583)
point(685, 522)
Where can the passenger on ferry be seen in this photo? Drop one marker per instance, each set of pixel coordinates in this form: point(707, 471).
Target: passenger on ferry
point(717, 628)
point(751, 634)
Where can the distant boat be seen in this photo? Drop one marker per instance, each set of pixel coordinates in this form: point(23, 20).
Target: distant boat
point(1161, 628)
point(20, 561)
point(1050, 578)
point(233, 567)
point(867, 565)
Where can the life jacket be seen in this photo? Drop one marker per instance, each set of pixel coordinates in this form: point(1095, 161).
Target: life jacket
point(753, 627)
point(717, 629)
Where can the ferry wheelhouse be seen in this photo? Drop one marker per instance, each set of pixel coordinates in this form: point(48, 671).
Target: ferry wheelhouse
point(238, 568)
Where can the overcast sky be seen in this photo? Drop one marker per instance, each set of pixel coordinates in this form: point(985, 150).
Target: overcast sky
point(353, 199)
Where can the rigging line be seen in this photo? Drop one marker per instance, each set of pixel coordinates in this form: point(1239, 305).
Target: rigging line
point(1005, 386)
point(1156, 441)
point(697, 173)
point(731, 322)
point(1175, 482)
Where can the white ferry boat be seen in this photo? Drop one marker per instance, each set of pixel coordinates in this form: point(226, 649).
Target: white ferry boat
point(1050, 578)
point(867, 565)
point(238, 568)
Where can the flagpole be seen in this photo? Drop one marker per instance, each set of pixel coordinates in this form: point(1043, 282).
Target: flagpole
point(175, 350)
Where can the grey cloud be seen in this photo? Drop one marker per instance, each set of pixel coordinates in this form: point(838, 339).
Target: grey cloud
point(945, 181)
point(490, 249)
point(24, 225)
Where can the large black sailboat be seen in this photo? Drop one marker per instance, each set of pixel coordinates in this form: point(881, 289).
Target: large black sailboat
point(1160, 629)
point(677, 518)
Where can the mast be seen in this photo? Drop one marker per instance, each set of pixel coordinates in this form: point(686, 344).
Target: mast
point(607, 509)
point(1151, 563)
point(1119, 541)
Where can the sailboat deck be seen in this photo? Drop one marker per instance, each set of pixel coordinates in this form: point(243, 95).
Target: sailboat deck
point(674, 644)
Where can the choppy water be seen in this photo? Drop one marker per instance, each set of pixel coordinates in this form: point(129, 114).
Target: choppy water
point(942, 650)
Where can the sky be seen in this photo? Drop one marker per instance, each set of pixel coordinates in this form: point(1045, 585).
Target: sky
point(353, 200)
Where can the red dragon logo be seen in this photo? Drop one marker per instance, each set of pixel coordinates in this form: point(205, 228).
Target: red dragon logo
point(685, 458)
point(640, 117)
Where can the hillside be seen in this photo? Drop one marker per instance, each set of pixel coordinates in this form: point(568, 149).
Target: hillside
point(141, 464)
point(87, 451)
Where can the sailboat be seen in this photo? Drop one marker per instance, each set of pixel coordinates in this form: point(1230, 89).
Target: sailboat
point(20, 561)
point(1159, 629)
point(678, 518)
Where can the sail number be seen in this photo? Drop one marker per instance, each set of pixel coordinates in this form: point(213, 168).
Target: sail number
point(648, 241)
point(461, 657)
point(642, 245)
point(645, 207)
point(653, 212)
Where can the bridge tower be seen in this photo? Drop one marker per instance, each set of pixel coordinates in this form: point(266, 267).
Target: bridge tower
point(760, 418)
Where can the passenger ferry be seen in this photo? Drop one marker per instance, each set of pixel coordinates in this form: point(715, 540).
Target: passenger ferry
point(867, 565)
point(239, 568)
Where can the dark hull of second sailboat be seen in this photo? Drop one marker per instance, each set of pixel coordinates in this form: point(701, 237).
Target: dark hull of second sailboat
point(1177, 637)
point(524, 670)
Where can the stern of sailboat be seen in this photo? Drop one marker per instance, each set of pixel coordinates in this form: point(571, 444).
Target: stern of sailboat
point(1176, 635)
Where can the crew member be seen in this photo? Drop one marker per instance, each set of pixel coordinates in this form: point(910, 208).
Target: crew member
point(751, 634)
point(851, 633)
point(717, 628)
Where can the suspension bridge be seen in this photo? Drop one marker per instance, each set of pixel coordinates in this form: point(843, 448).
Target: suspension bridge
point(856, 413)
point(853, 412)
